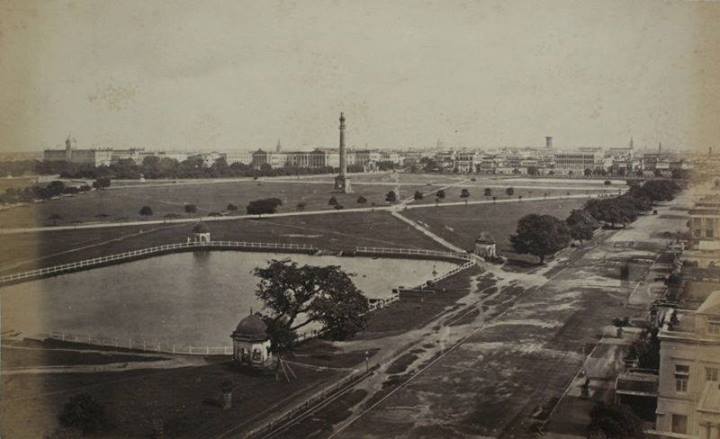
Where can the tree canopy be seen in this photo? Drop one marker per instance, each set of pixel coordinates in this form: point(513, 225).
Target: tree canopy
point(296, 296)
point(540, 235)
point(613, 421)
point(265, 205)
point(391, 197)
point(83, 412)
point(581, 232)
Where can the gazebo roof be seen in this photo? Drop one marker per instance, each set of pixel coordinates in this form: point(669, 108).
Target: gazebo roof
point(251, 328)
point(485, 238)
point(200, 228)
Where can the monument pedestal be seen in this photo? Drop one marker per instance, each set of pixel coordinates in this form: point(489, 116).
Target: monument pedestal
point(342, 184)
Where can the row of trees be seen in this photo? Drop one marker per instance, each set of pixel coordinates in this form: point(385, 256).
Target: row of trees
point(255, 207)
point(40, 192)
point(543, 235)
point(153, 167)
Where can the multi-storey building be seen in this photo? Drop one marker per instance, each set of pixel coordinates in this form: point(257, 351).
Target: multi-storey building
point(273, 159)
point(93, 156)
point(576, 162)
point(244, 157)
point(137, 155)
point(688, 403)
point(465, 161)
point(705, 223)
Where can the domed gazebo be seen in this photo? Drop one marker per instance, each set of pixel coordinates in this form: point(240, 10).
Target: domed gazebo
point(200, 233)
point(485, 246)
point(251, 344)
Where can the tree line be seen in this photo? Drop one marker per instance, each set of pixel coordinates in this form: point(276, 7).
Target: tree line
point(544, 235)
point(153, 167)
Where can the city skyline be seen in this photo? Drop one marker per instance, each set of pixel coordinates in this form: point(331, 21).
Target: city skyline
point(472, 74)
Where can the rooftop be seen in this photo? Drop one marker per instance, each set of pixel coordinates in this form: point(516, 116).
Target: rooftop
point(251, 328)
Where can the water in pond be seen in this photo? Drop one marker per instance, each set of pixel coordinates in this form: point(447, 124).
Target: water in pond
point(183, 298)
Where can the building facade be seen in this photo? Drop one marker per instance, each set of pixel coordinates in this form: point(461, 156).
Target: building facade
point(688, 403)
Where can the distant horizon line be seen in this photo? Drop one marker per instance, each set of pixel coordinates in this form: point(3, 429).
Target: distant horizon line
point(356, 148)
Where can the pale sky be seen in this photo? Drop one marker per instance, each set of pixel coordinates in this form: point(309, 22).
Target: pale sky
point(242, 74)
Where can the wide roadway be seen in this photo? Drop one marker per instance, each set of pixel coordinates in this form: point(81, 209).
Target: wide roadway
point(500, 368)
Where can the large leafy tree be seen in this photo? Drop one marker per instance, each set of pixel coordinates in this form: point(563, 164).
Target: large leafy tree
point(614, 422)
point(540, 235)
point(464, 194)
point(296, 296)
point(83, 412)
point(582, 216)
point(581, 232)
point(265, 205)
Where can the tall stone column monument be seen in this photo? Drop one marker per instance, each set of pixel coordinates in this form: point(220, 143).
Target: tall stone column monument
point(342, 181)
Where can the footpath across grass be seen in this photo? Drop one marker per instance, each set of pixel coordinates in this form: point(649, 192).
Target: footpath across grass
point(461, 225)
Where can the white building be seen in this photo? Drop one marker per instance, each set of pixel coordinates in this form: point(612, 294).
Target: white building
point(689, 394)
point(251, 344)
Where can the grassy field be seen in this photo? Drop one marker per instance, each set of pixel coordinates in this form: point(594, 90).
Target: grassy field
point(15, 183)
point(185, 399)
point(461, 225)
point(124, 204)
point(342, 231)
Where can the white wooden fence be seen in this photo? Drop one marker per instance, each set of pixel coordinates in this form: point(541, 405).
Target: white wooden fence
point(150, 251)
point(137, 344)
point(411, 252)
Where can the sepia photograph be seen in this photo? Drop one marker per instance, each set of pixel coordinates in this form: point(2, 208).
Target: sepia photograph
point(481, 219)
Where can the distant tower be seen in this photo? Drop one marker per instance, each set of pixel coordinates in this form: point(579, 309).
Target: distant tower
point(631, 143)
point(548, 141)
point(68, 148)
point(709, 151)
point(659, 147)
point(278, 147)
point(342, 182)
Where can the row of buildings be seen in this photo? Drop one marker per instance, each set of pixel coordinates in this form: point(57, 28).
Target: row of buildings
point(505, 161)
point(685, 389)
point(315, 158)
point(550, 161)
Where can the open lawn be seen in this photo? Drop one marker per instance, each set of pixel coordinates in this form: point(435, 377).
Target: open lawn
point(185, 399)
point(167, 199)
point(461, 225)
point(16, 183)
point(123, 204)
point(343, 231)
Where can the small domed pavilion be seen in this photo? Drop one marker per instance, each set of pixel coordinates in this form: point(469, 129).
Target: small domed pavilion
point(200, 233)
point(251, 344)
point(485, 246)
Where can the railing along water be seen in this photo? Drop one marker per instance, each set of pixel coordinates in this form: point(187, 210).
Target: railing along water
point(156, 250)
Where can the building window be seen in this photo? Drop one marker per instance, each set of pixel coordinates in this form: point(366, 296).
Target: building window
point(714, 328)
point(682, 375)
point(709, 233)
point(711, 373)
point(679, 424)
